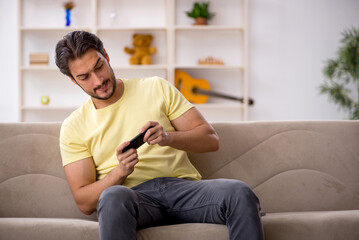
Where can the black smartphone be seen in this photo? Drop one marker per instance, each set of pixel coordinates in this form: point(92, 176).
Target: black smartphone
point(137, 141)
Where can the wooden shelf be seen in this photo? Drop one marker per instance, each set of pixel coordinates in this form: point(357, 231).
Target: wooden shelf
point(131, 29)
point(209, 67)
point(39, 68)
point(46, 108)
point(209, 28)
point(237, 106)
point(179, 44)
point(67, 29)
point(142, 67)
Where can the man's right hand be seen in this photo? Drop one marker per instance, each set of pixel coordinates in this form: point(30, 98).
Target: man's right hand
point(81, 176)
point(126, 160)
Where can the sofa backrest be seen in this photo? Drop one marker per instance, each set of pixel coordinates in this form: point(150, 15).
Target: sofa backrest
point(292, 166)
point(32, 180)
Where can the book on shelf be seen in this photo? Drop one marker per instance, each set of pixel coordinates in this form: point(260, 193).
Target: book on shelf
point(39, 59)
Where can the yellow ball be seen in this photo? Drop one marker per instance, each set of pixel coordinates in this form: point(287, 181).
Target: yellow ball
point(45, 100)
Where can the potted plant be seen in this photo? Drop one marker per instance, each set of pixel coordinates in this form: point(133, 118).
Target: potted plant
point(342, 73)
point(200, 12)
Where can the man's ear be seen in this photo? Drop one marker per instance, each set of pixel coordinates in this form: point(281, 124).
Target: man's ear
point(106, 55)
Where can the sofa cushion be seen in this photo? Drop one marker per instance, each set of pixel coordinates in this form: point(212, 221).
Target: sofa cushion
point(291, 166)
point(61, 229)
point(32, 180)
point(188, 231)
point(326, 225)
point(38, 195)
point(48, 228)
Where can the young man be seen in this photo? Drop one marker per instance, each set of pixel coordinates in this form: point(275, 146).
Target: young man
point(155, 184)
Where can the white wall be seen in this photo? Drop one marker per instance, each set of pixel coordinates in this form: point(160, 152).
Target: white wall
point(289, 42)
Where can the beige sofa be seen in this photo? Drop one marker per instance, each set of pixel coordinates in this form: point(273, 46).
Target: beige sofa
point(306, 175)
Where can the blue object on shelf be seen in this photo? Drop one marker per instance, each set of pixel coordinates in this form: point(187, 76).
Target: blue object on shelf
point(68, 17)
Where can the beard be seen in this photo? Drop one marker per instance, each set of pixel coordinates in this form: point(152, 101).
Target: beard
point(112, 80)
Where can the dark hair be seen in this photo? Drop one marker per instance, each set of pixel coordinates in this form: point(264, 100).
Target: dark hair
point(74, 45)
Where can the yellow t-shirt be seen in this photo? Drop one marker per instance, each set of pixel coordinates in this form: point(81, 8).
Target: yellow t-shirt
point(96, 133)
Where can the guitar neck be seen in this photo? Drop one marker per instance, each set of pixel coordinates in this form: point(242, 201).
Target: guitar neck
point(221, 95)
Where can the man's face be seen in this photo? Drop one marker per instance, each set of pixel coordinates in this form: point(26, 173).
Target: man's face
point(93, 73)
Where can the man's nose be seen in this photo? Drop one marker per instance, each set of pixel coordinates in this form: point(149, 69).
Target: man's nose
point(98, 78)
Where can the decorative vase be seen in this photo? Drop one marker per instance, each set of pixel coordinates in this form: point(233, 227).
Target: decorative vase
point(68, 17)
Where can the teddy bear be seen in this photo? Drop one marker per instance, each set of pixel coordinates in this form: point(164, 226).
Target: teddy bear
point(141, 53)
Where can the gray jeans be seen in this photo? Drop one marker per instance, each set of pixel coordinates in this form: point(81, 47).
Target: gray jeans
point(162, 201)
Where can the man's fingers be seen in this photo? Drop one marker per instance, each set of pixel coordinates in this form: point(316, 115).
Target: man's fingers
point(121, 147)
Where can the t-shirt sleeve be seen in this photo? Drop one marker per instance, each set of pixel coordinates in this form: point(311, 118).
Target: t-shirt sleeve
point(71, 146)
point(176, 103)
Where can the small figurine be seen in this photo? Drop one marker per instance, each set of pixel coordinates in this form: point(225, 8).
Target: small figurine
point(210, 61)
point(141, 53)
point(113, 17)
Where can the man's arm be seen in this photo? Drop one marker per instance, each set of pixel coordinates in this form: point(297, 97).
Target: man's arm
point(81, 176)
point(193, 133)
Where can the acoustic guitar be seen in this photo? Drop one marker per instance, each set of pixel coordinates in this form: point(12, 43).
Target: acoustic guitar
point(198, 90)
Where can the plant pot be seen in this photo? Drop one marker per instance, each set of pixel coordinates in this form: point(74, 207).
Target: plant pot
point(201, 21)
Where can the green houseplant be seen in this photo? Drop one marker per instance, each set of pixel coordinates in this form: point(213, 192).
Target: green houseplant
point(342, 73)
point(200, 12)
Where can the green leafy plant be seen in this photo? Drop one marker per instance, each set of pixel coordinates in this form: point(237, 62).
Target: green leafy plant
point(200, 10)
point(342, 73)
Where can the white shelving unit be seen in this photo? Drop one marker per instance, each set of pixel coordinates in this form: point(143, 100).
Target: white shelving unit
point(179, 46)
